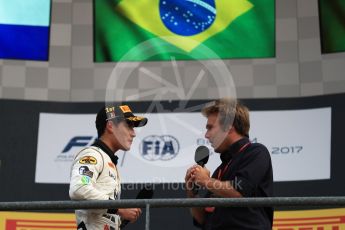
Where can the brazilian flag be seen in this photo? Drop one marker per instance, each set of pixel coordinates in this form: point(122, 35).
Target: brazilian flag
point(154, 30)
point(332, 23)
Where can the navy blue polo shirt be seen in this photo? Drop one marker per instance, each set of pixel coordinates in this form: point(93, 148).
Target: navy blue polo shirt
point(248, 167)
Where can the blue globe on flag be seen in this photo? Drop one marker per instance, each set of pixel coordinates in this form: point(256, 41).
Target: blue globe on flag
point(188, 17)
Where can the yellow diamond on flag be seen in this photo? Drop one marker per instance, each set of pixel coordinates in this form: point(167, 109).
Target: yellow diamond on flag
point(145, 13)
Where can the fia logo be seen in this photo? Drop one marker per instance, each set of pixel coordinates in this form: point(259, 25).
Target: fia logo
point(164, 147)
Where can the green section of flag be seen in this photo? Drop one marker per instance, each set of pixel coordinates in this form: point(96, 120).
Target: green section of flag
point(332, 23)
point(116, 38)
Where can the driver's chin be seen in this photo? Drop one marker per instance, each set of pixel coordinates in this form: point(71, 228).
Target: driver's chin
point(126, 148)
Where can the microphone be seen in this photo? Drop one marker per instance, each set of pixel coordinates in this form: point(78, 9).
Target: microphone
point(201, 156)
point(145, 193)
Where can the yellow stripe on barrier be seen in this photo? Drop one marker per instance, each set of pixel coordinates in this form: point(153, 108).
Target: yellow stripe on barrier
point(35, 220)
point(321, 219)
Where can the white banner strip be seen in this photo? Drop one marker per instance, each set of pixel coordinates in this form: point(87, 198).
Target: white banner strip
point(299, 142)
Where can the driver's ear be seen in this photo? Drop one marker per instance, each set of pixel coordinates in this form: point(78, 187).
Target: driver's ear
point(109, 126)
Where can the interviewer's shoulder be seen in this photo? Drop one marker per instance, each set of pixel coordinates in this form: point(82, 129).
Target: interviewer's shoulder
point(260, 150)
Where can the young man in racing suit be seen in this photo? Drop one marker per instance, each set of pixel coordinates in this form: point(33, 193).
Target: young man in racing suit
point(94, 175)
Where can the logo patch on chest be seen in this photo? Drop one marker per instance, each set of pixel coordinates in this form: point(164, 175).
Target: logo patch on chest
point(84, 170)
point(88, 160)
point(111, 165)
point(112, 175)
point(85, 180)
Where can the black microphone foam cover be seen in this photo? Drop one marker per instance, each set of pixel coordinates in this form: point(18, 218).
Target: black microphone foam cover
point(202, 154)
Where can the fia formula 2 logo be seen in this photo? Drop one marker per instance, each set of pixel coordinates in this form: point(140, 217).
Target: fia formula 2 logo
point(164, 147)
point(78, 141)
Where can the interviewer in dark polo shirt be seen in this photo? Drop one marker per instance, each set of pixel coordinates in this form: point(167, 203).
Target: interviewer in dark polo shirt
point(245, 171)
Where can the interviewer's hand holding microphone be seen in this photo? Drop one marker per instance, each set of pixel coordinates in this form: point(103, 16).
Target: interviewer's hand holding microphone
point(198, 175)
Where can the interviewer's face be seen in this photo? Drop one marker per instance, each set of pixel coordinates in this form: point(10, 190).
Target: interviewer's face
point(124, 134)
point(215, 134)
